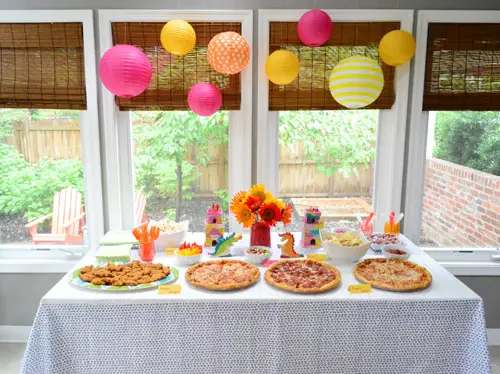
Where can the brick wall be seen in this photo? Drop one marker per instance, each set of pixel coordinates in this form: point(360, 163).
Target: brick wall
point(461, 206)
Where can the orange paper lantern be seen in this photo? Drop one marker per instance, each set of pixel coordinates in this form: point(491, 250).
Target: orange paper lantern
point(228, 53)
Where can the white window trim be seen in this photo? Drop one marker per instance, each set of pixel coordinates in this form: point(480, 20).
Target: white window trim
point(391, 130)
point(418, 144)
point(119, 177)
point(89, 119)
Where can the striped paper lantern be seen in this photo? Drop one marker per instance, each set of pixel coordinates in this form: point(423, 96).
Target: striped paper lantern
point(356, 82)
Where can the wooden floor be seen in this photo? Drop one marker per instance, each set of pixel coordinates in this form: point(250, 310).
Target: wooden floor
point(11, 356)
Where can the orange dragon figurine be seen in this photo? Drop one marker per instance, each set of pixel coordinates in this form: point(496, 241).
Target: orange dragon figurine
point(287, 245)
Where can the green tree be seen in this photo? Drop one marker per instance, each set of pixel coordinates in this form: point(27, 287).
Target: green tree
point(334, 140)
point(471, 139)
point(164, 145)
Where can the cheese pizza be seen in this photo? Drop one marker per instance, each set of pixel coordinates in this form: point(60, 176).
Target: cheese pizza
point(223, 274)
point(393, 274)
point(305, 276)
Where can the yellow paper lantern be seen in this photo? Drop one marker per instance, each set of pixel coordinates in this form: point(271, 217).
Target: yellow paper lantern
point(178, 37)
point(356, 82)
point(228, 52)
point(282, 67)
point(397, 47)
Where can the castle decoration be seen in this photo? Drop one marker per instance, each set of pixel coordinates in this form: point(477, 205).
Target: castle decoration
point(286, 246)
point(214, 226)
point(312, 223)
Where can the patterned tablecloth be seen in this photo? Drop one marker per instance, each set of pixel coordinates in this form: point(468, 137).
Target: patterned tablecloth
point(439, 330)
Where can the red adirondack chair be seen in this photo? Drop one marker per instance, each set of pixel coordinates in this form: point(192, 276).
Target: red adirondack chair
point(139, 209)
point(68, 220)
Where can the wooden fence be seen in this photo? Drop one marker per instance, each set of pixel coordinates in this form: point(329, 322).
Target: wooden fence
point(61, 140)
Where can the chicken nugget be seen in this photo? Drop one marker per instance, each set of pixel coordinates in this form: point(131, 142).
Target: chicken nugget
point(98, 282)
point(158, 266)
point(166, 270)
point(86, 277)
point(102, 273)
point(117, 282)
point(107, 280)
point(130, 282)
point(86, 269)
point(145, 279)
point(134, 275)
point(158, 276)
point(146, 271)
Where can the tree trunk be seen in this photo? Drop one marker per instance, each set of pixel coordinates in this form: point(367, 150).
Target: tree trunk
point(178, 204)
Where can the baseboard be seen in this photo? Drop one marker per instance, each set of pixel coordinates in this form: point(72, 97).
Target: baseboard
point(14, 334)
point(493, 336)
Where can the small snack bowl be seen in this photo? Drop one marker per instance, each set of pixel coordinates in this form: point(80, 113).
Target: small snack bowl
point(396, 251)
point(257, 255)
point(380, 241)
point(188, 254)
point(344, 253)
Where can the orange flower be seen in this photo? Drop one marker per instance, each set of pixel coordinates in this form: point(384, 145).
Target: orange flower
point(237, 201)
point(270, 214)
point(286, 215)
point(245, 216)
point(253, 202)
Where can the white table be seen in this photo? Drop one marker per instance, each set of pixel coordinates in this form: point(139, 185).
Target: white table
point(261, 329)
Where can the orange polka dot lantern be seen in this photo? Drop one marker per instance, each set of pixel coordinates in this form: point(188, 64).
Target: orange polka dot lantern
point(228, 53)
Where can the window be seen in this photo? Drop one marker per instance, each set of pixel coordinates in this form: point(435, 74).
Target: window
point(166, 157)
point(48, 132)
point(452, 192)
point(305, 152)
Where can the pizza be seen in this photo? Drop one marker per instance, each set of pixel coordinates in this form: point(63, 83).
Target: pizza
point(305, 276)
point(393, 274)
point(223, 274)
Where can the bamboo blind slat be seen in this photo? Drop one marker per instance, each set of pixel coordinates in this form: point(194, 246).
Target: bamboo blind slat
point(310, 90)
point(173, 76)
point(462, 69)
point(42, 66)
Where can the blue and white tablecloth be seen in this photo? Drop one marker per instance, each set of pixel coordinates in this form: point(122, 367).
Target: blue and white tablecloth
point(262, 330)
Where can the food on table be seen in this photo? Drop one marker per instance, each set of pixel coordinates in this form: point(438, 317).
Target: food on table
point(223, 275)
point(167, 226)
point(393, 274)
point(347, 239)
point(114, 253)
point(258, 251)
point(305, 276)
point(383, 238)
point(396, 252)
point(132, 274)
point(189, 249)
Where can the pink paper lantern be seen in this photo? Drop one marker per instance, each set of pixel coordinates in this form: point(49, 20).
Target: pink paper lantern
point(315, 28)
point(204, 99)
point(125, 70)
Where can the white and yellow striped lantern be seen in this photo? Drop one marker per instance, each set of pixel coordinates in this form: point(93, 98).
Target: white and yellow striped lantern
point(356, 82)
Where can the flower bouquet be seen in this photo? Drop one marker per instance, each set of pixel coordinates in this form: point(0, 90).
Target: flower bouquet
point(260, 210)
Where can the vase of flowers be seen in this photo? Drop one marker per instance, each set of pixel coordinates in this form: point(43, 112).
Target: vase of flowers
point(260, 210)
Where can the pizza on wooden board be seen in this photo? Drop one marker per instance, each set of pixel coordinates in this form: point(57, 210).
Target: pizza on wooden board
point(393, 274)
point(223, 275)
point(305, 276)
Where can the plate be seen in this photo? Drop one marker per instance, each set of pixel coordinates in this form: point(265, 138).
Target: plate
point(75, 279)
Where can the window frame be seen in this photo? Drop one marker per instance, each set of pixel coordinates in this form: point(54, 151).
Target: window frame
point(475, 261)
point(388, 180)
point(117, 129)
point(89, 122)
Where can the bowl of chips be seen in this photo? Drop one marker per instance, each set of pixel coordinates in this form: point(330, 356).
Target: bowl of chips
point(348, 247)
point(172, 233)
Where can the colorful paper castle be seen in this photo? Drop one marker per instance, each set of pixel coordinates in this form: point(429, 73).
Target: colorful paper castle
point(214, 226)
point(312, 223)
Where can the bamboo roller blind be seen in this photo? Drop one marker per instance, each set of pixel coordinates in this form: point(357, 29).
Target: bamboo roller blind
point(462, 69)
point(41, 66)
point(173, 76)
point(310, 90)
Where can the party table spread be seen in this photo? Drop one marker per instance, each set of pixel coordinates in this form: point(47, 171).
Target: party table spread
point(261, 329)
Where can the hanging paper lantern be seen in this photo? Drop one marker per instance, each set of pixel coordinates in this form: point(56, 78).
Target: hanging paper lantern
point(125, 70)
point(228, 53)
point(204, 99)
point(282, 67)
point(315, 28)
point(178, 37)
point(356, 82)
point(397, 47)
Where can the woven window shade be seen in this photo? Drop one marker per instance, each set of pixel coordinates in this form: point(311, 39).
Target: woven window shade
point(173, 76)
point(462, 69)
point(41, 66)
point(310, 90)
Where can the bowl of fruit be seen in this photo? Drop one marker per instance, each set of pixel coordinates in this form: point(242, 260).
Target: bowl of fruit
point(188, 254)
point(257, 255)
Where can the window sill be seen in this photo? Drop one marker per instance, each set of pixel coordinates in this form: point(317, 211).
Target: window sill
point(467, 261)
point(26, 260)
